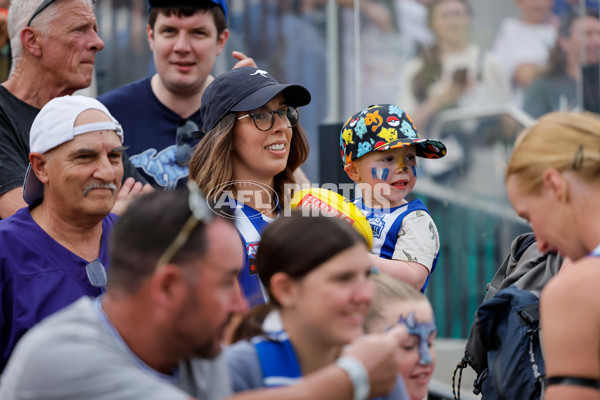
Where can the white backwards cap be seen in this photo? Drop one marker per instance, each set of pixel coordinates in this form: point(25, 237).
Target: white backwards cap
point(55, 125)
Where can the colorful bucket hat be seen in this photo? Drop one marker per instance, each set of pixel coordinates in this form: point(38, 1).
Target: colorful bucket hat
point(384, 127)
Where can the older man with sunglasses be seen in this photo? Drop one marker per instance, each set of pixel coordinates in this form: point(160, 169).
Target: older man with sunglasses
point(53, 44)
point(156, 333)
point(54, 251)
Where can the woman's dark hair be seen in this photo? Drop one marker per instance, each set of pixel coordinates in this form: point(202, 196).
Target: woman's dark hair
point(431, 70)
point(557, 59)
point(295, 245)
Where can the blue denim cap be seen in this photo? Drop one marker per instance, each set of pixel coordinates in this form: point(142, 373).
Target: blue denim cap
point(245, 89)
point(188, 3)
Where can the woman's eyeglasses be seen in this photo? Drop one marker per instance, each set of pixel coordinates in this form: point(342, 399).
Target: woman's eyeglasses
point(265, 119)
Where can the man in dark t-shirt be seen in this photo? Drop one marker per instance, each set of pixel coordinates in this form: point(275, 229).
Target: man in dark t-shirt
point(51, 59)
point(161, 113)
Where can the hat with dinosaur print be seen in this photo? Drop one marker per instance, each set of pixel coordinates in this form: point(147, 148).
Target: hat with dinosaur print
point(384, 127)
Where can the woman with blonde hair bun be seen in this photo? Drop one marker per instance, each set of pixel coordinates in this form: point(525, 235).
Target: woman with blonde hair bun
point(553, 181)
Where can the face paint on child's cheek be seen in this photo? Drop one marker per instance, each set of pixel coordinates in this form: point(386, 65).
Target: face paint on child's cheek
point(380, 173)
point(402, 165)
point(422, 330)
point(414, 170)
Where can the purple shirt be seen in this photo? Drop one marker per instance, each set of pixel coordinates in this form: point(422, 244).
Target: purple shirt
point(38, 276)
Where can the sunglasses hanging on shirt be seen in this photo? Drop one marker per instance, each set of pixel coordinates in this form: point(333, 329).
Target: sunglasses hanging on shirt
point(187, 133)
point(96, 274)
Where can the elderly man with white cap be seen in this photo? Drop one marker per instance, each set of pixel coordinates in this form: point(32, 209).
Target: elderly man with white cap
point(54, 251)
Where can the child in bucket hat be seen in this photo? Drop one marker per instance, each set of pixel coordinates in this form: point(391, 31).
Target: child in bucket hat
point(379, 146)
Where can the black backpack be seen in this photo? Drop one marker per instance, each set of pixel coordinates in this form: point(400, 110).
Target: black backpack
point(504, 346)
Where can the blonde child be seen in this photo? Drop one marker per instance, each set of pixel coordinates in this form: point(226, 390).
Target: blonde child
point(397, 302)
point(379, 148)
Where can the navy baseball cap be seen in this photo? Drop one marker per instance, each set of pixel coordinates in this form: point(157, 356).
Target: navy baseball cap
point(188, 3)
point(245, 89)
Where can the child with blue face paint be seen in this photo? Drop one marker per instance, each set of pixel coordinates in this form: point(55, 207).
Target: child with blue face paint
point(379, 147)
point(395, 303)
point(422, 331)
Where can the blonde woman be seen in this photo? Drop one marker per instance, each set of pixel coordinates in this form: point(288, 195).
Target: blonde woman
point(253, 146)
point(553, 181)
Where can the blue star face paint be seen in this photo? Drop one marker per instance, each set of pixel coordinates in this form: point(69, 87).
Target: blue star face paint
point(422, 330)
point(414, 170)
point(380, 173)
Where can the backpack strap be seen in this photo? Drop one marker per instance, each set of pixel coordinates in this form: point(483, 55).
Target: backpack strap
point(492, 287)
point(519, 245)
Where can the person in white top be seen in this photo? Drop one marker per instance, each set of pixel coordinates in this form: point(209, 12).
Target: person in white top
point(523, 44)
point(452, 72)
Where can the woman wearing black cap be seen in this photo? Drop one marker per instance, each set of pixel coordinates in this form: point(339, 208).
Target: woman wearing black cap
point(252, 147)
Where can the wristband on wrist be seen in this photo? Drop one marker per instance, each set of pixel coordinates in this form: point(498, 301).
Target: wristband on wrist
point(358, 376)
